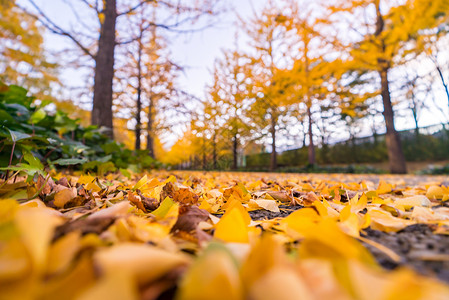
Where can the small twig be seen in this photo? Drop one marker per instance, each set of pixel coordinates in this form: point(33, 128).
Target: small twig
point(17, 173)
point(10, 160)
point(49, 153)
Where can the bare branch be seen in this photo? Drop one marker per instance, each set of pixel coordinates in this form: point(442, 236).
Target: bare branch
point(50, 25)
point(134, 8)
point(95, 7)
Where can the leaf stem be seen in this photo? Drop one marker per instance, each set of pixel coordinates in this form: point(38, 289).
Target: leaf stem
point(10, 160)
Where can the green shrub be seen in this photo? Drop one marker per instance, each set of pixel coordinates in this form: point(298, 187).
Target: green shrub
point(28, 129)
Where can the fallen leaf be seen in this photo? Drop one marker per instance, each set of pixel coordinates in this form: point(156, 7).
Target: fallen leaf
point(279, 283)
point(232, 227)
point(189, 217)
point(214, 275)
point(185, 196)
point(269, 205)
point(144, 263)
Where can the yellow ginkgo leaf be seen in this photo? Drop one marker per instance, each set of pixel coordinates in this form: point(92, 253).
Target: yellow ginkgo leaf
point(320, 242)
point(214, 275)
point(14, 261)
point(265, 255)
point(234, 203)
point(36, 227)
point(384, 188)
point(409, 202)
point(435, 192)
point(62, 252)
point(143, 181)
point(206, 206)
point(93, 186)
point(302, 219)
point(112, 286)
point(232, 227)
point(85, 179)
point(144, 262)
point(269, 205)
point(384, 221)
point(279, 283)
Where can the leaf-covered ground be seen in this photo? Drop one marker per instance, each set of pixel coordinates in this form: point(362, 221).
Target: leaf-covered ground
point(196, 235)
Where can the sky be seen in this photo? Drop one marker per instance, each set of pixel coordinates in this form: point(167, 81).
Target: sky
point(195, 51)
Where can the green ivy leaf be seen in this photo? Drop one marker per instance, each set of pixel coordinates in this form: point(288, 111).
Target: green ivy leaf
point(17, 135)
point(38, 116)
point(69, 161)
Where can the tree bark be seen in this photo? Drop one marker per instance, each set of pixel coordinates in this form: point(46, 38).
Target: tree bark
point(273, 160)
point(204, 161)
point(234, 152)
point(311, 148)
point(214, 150)
point(414, 109)
point(150, 139)
point(396, 157)
point(104, 69)
point(138, 128)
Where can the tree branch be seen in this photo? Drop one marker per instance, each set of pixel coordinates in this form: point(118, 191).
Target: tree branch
point(50, 25)
point(133, 8)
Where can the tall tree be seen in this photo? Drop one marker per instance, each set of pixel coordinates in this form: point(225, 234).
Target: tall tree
point(230, 91)
point(148, 80)
point(385, 41)
point(269, 46)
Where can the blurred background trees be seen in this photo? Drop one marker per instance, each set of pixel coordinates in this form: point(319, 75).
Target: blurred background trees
point(301, 77)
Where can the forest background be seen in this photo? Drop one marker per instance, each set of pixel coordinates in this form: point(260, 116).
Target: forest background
point(301, 75)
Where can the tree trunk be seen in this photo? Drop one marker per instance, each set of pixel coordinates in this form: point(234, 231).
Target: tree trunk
point(104, 70)
point(395, 155)
point(234, 152)
point(415, 118)
point(150, 139)
point(374, 132)
point(304, 135)
point(311, 148)
point(204, 154)
point(273, 160)
point(214, 150)
point(139, 94)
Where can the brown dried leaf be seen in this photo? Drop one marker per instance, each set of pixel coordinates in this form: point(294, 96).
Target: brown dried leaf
point(64, 197)
point(185, 196)
point(310, 198)
point(46, 187)
point(63, 181)
point(150, 204)
point(189, 217)
point(280, 196)
point(85, 226)
point(167, 191)
point(136, 201)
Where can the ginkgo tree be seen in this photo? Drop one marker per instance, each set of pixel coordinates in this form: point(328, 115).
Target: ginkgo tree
point(147, 77)
point(269, 53)
point(23, 60)
point(383, 35)
point(230, 92)
point(306, 82)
